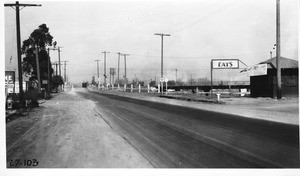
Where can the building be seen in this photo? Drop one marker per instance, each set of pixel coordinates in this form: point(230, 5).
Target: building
point(266, 85)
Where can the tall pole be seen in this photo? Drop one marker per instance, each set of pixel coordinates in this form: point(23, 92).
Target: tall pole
point(38, 67)
point(162, 55)
point(97, 68)
point(65, 70)
point(104, 72)
point(48, 76)
point(176, 75)
point(110, 73)
point(17, 5)
point(125, 76)
point(279, 95)
point(98, 73)
point(59, 60)
point(119, 66)
point(113, 76)
point(211, 79)
point(56, 68)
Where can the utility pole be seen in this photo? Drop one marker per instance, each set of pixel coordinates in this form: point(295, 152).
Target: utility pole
point(175, 75)
point(98, 76)
point(111, 75)
point(279, 95)
point(38, 67)
point(58, 48)
point(162, 55)
point(125, 76)
point(48, 66)
point(56, 68)
point(48, 76)
point(113, 80)
point(65, 70)
point(105, 66)
point(17, 5)
point(119, 66)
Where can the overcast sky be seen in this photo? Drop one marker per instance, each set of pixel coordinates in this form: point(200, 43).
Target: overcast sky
point(200, 31)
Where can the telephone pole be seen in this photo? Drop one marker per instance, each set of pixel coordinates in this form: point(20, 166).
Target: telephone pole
point(279, 95)
point(125, 76)
point(176, 75)
point(119, 66)
point(48, 74)
point(98, 76)
point(65, 70)
point(17, 5)
point(162, 54)
point(55, 63)
point(105, 66)
point(38, 67)
point(58, 49)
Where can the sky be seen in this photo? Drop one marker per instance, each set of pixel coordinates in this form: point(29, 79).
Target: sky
point(199, 31)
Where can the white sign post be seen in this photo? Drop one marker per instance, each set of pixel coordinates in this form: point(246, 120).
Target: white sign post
point(158, 86)
point(166, 80)
point(162, 85)
point(139, 88)
point(98, 79)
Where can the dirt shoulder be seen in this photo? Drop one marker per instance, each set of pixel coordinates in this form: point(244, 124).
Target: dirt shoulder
point(66, 132)
point(283, 111)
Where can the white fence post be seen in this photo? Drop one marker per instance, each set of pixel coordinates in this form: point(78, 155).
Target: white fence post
point(124, 87)
point(139, 88)
point(131, 88)
point(148, 88)
point(158, 86)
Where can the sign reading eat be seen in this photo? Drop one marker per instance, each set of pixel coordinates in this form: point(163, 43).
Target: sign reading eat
point(225, 63)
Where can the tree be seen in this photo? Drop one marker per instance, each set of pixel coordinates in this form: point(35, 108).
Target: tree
point(42, 38)
point(179, 82)
point(56, 81)
point(93, 81)
point(153, 83)
point(171, 83)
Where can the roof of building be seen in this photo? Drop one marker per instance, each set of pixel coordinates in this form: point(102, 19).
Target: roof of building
point(284, 63)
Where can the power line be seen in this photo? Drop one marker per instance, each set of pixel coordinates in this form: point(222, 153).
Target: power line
point(203, 57)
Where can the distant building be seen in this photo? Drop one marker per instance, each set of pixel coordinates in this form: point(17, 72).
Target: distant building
point(266, 85)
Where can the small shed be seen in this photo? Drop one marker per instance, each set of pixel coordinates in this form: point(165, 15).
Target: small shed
point(266, 85)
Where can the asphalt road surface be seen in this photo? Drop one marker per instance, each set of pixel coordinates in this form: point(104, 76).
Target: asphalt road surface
point(170, 136)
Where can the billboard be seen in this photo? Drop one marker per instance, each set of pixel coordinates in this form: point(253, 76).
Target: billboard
point(225, 63)
point(256, 70)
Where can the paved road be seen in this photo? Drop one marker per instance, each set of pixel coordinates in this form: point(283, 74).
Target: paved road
point(172, 136)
